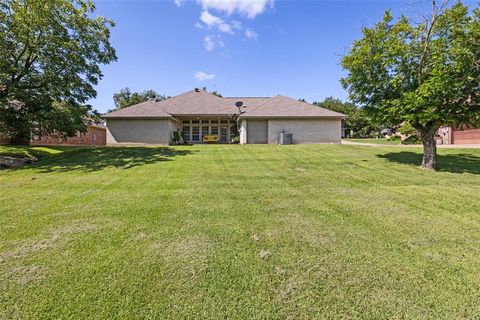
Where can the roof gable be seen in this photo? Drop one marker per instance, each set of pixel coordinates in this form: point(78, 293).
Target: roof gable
point(147, 109)
point(201, 102)
point(285, 107)
point(198, 102)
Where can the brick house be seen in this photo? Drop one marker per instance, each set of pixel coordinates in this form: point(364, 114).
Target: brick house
point(201, 117)
point(96, 135)
point(458, 135)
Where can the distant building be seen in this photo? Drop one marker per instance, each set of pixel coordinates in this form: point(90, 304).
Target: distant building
point(458, 135)
point(96, 135)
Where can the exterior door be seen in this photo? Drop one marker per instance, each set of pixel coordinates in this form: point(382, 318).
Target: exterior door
point(224, 134)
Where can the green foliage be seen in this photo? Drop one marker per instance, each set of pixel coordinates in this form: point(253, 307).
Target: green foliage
point(126, 97)
point(412, 140)
point(176, 137)
point(426, 74)
point(394, 138)
point(358, 121)
point(216, 93)
point(50, 51)
point(407, 129)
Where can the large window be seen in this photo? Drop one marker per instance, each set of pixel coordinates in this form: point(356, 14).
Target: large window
point(214, 130)
point(224, 134)
point(186, 133)
point(204, 131)
point(195, 133)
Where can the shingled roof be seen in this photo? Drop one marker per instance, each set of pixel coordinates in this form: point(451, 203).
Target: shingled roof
point(201, 102)
point(147, 109)
point(285, 107)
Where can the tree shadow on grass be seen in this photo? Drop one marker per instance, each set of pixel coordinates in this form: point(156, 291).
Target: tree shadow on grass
point(95, 159)
point(455, 163)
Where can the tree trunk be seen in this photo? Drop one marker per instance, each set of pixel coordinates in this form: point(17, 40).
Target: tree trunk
point(429, 160)
point(21, 138)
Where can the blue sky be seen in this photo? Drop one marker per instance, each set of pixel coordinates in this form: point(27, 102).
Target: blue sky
point(237, 47)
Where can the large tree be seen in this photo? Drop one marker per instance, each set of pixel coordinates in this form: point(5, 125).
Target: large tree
point(357, 121)
point(51, 52)
point(426, 74)
point(126, 97)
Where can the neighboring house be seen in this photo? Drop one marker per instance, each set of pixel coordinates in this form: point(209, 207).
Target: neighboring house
point(458, 135)
point(96, 135)
point(200, 116)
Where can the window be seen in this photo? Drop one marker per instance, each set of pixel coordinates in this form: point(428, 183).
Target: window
point(223, 134)
point(223, 121)
point(214, 121)
point(195, 121)
point(195, 133)
point(204, 131)
point(186, 133)
point(214, 130)
point(205, 121)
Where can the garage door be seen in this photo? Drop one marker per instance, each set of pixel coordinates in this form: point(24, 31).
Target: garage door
point(467, 136)
point(257, 131)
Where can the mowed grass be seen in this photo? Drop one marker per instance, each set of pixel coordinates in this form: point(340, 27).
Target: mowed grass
point(178, 232)
point(376, 141)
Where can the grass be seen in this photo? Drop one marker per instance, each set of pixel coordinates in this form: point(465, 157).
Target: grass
point(31, 151)
point(344, 231)
point(376, 141)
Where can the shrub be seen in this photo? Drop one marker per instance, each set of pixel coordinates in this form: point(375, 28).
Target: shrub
point(394, 138)
point(411, 140)
point(407, 129)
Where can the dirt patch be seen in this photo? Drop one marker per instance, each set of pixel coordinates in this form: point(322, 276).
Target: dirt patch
point(304, 229)
point(12, 263)
point(24, 275)
point(189, 254)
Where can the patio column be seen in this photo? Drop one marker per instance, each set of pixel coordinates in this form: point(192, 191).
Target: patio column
point(243, 132)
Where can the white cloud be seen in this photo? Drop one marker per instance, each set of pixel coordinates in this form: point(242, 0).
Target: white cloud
point(212, 42)
point(215, 22)
point(250, 8)
point(198, 25)
point(236, 24)
point(179, 2)
point(251, 34)
point(202, 76)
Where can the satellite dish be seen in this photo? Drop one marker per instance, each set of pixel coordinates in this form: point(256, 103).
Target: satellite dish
point(239, 104)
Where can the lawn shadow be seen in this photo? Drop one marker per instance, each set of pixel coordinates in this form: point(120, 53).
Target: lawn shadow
point(94, 159)
point(455, 163)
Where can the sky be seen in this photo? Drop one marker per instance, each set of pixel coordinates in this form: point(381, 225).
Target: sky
point(235, 47)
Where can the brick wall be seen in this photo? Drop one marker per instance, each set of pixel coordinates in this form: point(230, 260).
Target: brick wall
point(94, 136)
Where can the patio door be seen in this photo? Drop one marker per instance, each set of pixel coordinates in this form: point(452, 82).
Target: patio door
point(224, 134)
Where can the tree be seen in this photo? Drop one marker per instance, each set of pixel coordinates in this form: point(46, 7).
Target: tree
point(126, 98)
point(357, 121)
point(426, 74)
point(216, 93)
point(51, 52)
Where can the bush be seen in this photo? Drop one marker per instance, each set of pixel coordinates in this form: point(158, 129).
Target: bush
point(411, 140)
point(394, 138)
point(407, 129)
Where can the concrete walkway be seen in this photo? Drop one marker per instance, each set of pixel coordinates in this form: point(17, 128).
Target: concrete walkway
point(440, 146)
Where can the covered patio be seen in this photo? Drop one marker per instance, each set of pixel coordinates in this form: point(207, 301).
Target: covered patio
point(207, 129)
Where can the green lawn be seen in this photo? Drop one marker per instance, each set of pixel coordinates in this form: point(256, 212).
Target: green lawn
point(349, 232)
point(375, 141)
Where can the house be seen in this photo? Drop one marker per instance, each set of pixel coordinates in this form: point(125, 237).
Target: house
point(203, 117)
point(96, 135)
point(458, 135)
